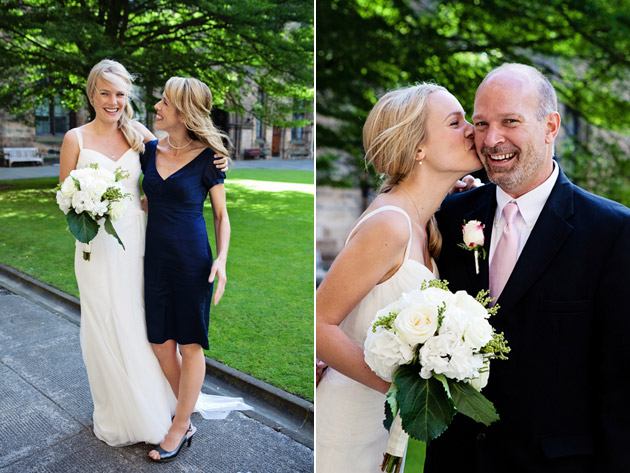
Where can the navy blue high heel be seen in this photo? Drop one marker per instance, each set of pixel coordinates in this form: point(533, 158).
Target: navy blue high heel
point(169, 456)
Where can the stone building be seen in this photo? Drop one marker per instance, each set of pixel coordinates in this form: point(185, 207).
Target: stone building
point(251, 137)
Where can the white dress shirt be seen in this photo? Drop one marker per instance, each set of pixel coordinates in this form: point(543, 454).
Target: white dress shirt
point(529, 205)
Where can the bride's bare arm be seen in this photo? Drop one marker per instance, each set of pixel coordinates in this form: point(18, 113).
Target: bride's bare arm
point(68, 155)
point(375, 251)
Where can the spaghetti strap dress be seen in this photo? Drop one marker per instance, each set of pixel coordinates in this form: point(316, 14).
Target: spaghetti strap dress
point(350, 436)
point(133, 401)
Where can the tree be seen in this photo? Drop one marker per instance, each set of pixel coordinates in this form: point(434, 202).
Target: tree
point(48, 47)
point(366, 48)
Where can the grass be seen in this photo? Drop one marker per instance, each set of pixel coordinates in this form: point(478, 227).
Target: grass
point(263, 326)
point(414, 461)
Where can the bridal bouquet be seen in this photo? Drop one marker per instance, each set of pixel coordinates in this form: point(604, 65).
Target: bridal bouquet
point(435, 347)
point(89, 195)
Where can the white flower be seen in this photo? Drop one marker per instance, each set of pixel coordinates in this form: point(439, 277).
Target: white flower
point(468, 303)
point(82, 201)
point(478, 332)
point(473, 234)
point(68, 188)
point(64, 202)
point(416, 323)
point(117, 209)
point(435, 354)
point(463, 364)
point(385, 352)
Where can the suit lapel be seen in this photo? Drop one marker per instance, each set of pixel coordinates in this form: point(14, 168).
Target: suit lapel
point(547, 237)
point(484, 212)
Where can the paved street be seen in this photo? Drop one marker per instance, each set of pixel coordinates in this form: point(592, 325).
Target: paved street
point(46, 412)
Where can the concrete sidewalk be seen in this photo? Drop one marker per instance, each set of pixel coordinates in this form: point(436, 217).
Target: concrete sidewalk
point(31, 172)
point(46, 411)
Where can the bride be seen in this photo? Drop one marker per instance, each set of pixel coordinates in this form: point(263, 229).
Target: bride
point(418, 136)
point(133, 401)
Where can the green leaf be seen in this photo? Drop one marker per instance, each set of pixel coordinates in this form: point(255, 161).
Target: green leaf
point(82, 226)
point(425, 409)
point(109, 228)
point(472, 403)
point(391, 406)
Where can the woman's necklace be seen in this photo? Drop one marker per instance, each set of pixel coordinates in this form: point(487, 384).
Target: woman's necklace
point(168, 139)
point(413, 203)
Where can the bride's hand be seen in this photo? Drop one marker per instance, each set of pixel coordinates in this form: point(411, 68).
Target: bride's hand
point(221, 163)
point(466, 183)
point(218, 272)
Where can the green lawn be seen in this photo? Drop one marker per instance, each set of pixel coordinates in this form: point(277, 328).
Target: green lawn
point(263, 326)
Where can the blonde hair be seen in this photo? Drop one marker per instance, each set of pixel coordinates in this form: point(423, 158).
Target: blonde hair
point(193, 100)
point(392, 133)
point(133, 137)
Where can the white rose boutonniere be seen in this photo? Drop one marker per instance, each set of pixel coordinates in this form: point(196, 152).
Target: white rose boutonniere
point(474, 240)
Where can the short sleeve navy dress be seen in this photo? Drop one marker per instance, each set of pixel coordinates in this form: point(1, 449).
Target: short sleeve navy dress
point(178, 257)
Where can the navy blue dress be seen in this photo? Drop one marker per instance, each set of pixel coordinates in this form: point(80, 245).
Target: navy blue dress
point(178, 257)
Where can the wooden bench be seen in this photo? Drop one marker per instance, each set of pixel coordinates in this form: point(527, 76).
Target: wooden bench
point(22, 154)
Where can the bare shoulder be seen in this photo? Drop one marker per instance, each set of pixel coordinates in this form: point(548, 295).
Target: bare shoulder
point(387, 229)
point(70, 139)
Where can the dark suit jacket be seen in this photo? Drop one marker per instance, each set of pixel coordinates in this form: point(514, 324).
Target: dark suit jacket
point(565, 312)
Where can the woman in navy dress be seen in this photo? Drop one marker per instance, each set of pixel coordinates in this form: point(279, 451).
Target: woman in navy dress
point(179, 269)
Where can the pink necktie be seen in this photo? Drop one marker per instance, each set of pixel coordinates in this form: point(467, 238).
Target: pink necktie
point(506, 252)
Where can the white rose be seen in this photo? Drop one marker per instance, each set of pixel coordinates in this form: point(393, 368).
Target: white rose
point(478, 332)
point(473, 234)
point(417, 323)
point(437, 297)
point(117, 209)
point(385, 352)
point(68, 188)
point(64, 202)
point(469, 304)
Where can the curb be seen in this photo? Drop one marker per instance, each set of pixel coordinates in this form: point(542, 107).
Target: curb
point(280, 410)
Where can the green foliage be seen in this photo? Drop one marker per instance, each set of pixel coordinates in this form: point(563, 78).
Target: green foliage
point(437, 283)
point(367, 48)
point(82, 226)
point(472, 403)
point(425, 409)
point(385, 321)
point(47, 49)
point(109, 228)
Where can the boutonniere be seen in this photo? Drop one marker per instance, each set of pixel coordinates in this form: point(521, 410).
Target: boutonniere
point(474, 240)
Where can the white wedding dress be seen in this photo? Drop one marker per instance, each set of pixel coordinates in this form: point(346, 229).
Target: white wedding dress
point(349, 415)
point(133, 401)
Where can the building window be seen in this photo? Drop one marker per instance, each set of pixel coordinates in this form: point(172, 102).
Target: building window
point(297, 133)
point(51, 118)
point(260, 128)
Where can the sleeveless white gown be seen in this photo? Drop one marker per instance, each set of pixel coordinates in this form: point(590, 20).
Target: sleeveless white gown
point(133, 401)
point(350, 436)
